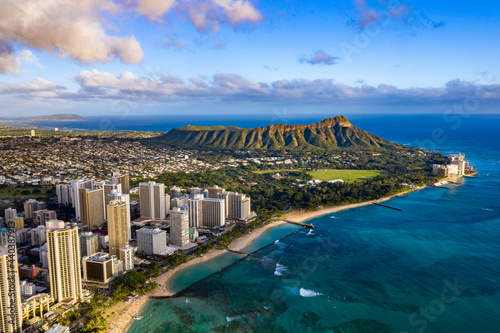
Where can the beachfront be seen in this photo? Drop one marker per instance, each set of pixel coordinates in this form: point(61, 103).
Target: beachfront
point(124, 313)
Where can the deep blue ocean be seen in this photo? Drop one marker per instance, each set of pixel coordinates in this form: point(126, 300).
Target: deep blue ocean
point(432, 267)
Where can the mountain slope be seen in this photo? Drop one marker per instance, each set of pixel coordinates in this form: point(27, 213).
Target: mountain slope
point(331, 133)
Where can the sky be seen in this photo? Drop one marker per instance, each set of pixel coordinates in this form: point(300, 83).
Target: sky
point(142, 57)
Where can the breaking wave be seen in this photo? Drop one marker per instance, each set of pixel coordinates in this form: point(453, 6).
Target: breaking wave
point(280, 269)
point(308, 293)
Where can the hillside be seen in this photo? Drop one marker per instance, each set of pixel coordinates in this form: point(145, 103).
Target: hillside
point(331, 133)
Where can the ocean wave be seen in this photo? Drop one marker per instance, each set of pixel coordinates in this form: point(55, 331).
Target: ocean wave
point(280, 269)
point(187, 300)
point(488, 209)
point(308, 293)
point(310, 233)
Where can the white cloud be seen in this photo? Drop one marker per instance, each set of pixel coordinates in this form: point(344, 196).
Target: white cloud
point(67, 29)
point(205, 15)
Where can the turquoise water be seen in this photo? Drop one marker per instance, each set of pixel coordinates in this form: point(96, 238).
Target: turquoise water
point(433, 267)
point(196, 273)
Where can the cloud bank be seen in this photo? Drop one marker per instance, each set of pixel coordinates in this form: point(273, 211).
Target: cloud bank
point(97, 85)
point(320, 57)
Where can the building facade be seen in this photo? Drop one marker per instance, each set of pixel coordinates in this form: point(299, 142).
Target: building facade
point(151, 241)
point(127, 255)
point(63, 248)
point(92, 207)
point(214, 212)
point(38, 235)
point(179, 227)
point(195, 211)
point(10, 294)
point(89, 243)
point(118, 227)
point(152, 200)
point(123, 180)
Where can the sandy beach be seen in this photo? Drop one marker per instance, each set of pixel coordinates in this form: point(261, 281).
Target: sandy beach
point(124, 313)
point(304, 215)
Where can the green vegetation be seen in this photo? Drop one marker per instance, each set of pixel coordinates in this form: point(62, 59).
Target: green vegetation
point(93, 311)
point(346, 175)
point(332, 174)
point(272, 196)
point(133, 282)
point(329, 134)
point(28, 192)
point(274, 171)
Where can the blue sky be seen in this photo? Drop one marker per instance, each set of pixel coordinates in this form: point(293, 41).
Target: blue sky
point(233, 56)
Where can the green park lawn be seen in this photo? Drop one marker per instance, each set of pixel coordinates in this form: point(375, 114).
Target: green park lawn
point(332, 174)
point(22, 192)
point(346, 175)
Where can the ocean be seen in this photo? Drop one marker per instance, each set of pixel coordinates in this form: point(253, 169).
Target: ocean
point(432, 267)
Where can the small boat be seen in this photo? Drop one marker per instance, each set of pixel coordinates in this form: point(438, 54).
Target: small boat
point(137, 317)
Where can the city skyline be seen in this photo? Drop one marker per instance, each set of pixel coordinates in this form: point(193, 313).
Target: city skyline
point(166, 57)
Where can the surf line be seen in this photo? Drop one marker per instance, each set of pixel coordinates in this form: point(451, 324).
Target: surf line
point(180, 293)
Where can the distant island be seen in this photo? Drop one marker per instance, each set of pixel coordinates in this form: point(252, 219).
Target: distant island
point(329, 134)
point(54, 118)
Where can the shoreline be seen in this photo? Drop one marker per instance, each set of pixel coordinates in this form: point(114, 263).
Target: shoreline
point(302, 215)
point(124, 313)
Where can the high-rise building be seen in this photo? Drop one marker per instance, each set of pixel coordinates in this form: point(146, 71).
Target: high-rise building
point(225, 195)
point(151, 241)
point(195, 211)
point(100, 267)
point(63, 246)
point(152, 200)
point(127, 255)
point(44, 257)
point(23, 236)
point(239, 206)
point(179, 227)
point(10, 294)
point(125, 198)
point(117, 227)
point(89, 243)
point(76, 185)
point(42, 216)
point(10, 214)
point(167, 204)
point(123, 180)
point(179, 201)
point(214, 212)
point(92, 207)
point(18, 222)
point(31, 206)
point(213, 191)
point(110, 187)
point(38, 235)
point(194, 191)
point(175, 192)
point(64, 195)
